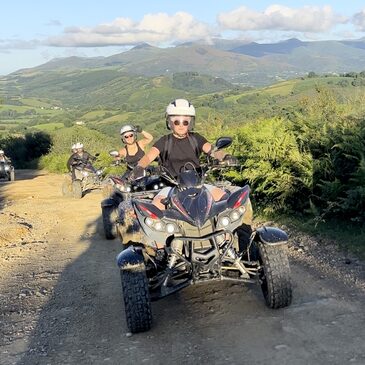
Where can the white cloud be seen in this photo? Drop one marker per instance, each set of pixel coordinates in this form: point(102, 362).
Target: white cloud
point(54, 23)
point(153, 28)
point(359, 20)
point(278, 17)
point(9, 44)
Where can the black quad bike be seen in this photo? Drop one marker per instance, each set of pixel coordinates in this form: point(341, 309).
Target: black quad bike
point(87, 178)
point(200, 242)
point(7, 171)
point(116, 208)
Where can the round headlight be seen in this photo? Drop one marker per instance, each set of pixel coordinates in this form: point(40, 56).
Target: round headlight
point(235, 215)
point(171, 228)
point(159, 226)
point(155, 187)
point(161, 184)
point(225, 221)
point(242, 209)
point(149, 222)
point(128, 189)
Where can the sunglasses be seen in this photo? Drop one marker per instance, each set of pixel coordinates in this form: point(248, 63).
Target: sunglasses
point(128, 136)
point(185, 123)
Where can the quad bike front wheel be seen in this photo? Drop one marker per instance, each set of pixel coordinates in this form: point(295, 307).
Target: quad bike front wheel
point(275, 276)
point(137, 303)
point(77, 189)
point(109, 215)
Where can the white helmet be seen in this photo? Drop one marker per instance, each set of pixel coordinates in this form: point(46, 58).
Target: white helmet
point(180, 107)
point(79, 145)
point(125, 129)
point(1, 152)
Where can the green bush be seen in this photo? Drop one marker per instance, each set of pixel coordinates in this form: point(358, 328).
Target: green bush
point(94, 142)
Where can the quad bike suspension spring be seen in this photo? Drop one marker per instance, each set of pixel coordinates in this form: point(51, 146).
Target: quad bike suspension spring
point(237, 262)
point(173, 257)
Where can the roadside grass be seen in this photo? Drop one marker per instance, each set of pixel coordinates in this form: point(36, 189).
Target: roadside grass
point(347, 238)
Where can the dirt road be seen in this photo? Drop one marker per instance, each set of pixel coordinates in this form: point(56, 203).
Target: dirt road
point(61, 303)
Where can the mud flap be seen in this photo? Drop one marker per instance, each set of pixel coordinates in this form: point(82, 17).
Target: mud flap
point(131, 259)
point(271, 236)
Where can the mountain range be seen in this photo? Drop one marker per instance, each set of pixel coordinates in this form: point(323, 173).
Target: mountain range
point(251, 64)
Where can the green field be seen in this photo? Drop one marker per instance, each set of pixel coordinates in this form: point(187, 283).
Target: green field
point(48, 127)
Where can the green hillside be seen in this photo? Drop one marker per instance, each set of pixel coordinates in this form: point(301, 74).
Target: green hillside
point(109, 99)
point(300, 142)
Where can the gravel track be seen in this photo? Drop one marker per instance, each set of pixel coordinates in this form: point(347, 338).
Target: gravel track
point(61, 303)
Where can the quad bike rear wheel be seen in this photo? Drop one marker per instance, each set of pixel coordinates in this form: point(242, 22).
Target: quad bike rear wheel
point(275, 276)
point(77, 189)
point(137, 303)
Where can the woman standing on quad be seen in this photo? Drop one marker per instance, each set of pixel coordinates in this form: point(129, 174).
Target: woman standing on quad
point(133, 150)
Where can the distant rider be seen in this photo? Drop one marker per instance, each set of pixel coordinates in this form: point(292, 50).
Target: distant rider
point(80, 160)
point(3, 158)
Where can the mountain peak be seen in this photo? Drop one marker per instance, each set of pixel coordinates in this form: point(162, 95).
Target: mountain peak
point(142, 45)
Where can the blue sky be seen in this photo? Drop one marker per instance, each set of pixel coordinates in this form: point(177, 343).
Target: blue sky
point(33, 32)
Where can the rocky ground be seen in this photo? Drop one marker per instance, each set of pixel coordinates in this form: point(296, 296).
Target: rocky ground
point(60, 297)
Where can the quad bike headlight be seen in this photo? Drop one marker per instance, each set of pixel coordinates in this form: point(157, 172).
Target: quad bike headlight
point(7, 168)
point(160, 226)
point(234, 215)
point(155, 187)
point(171, 228)
point(224, 221)
point(231, 217)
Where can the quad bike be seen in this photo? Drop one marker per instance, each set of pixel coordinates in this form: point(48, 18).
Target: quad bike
point(118, 192)
point(200, 243)
point(86, 178)
point(7, 171)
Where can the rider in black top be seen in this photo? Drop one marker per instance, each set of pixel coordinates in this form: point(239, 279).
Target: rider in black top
point(180, 147)
point(183, 146)
point(180, 151)
point(132, 160)
point(133, 151)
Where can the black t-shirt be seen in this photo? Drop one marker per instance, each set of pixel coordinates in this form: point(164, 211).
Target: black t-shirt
point(180, 152)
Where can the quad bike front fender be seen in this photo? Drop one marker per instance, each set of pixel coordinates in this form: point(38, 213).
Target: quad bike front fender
point(108, 202)
point(131, 259)
point(271, 236)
